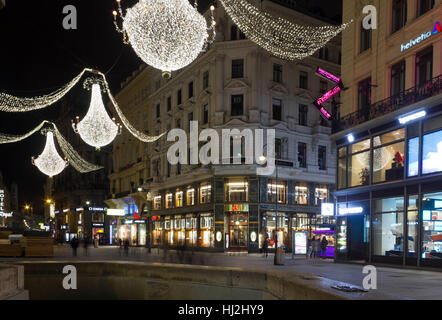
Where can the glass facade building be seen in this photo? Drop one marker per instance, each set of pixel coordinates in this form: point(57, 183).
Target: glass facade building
point(389, 196)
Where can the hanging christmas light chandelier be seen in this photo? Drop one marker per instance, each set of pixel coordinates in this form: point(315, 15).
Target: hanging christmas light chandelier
point(97, 129)
point(166, 34)
point(281, 37)
point(50, 162)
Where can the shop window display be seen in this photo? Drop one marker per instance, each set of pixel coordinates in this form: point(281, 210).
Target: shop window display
point(169, 201)
point(157, 203)
point(321, 194)
point(432, 226)
point(191, 230)
point(413, 225)
point(158, 228)
point(179, 199)
point(206, 236)
point(277, 191)
point(168, 227)
point(276, 225)
point(237, 190)
point(388, 156)
point(190, 197)
point(388, 227)
point(179, 230)
point(301, 193)
point(359, 169)
point(205, 193)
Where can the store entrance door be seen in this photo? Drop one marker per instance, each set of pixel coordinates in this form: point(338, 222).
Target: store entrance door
point(239, 230)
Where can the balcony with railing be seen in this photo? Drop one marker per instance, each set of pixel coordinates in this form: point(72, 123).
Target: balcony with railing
point(391, 104)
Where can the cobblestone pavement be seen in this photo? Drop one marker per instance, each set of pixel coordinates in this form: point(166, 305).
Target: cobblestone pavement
point(410, 283)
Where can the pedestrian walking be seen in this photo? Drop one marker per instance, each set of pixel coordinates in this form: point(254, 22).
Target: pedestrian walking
point(126, 247)
point(316, 247)
point(311, 249)
point(96, 241)
point(324, 244)
point(85, 245)
point(265, 246)
point(74, 245)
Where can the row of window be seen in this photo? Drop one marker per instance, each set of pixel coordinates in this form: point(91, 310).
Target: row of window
point(237, 190)
point(179, 95)
point(400, 12)
point(423, 74)
point(386, 157)
point(399, 19)
point(397, 229)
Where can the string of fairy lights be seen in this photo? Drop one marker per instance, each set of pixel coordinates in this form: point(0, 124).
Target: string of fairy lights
point(168, 35)
point(96, 129)
point(279, 36)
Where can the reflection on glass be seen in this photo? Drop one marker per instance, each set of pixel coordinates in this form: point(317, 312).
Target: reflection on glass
point(301, 193)
point(432, 226)
point(388, 163)
point(391, 136)
point(342, 173)
point(359, 169)
point(413, 157)
point(360, 146)
point(388, 234)
point(432, 153)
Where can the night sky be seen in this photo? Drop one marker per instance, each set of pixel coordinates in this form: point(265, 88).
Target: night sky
point(37, 56)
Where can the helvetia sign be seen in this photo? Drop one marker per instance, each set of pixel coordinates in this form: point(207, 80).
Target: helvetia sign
point(422, 37)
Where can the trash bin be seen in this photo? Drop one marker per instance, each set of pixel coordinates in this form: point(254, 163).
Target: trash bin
point(280, 256)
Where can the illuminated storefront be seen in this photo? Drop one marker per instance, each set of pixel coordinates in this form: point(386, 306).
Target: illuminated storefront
point(395, 212)
point(133, 230)
point(244, 212)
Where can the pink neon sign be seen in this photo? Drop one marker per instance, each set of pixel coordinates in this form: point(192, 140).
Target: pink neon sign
point(327, 96)
point(325, 113)
point(328, 75)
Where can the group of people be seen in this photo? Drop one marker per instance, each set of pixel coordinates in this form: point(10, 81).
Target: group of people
point(317, 247)
point(75, 243)
point(124, 244)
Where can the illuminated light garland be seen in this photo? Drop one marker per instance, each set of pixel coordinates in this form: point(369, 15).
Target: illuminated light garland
point(9, 103)
point(49, 162)
point(9, 138)
point(137, 134)
point(14, 104)
point(97, 129)
point(279, 36)
point(77, 162)
point(165, 34)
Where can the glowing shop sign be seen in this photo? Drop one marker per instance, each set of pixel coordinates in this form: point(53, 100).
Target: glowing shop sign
point(244, 207)
point(328, 95)
point(101, 209)
point(424, 36)
point(327, 75)
point(327, 209)
point(116, 212)
point(354, 210)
